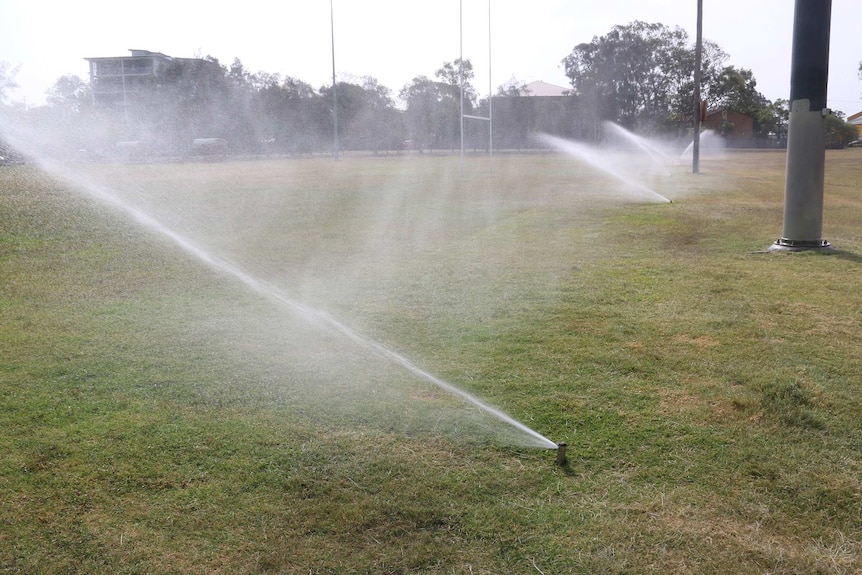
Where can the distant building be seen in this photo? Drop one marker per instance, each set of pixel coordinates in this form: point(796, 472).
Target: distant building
point(155, 104)
point(536, 108)
point(731, 124)
point(540, 88)
point(125, 80)
point(119, 81)
point(856, 120)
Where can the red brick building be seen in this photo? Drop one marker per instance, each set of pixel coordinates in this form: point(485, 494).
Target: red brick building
point(731, 124)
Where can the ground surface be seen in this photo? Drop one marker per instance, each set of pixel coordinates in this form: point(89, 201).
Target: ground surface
point(161, 416)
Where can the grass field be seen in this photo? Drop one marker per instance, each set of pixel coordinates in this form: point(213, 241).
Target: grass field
point(158, 416)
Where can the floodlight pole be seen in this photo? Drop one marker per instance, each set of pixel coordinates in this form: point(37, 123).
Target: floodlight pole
point(461, 75)
point(698, 59)
point(806, 132)
point(490, 99)
point(334, 85)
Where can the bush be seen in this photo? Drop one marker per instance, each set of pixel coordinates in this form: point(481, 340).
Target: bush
point(839, 133)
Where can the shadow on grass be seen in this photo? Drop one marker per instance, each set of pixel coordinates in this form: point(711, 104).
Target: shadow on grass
point(834, 252)
point(844, 255)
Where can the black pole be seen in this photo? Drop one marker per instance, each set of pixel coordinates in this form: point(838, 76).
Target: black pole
point(806, 137)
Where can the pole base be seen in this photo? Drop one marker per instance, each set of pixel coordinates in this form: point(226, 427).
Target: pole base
point(786, 245)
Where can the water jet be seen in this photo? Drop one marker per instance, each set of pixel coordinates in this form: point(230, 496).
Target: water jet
point(25, 141)
point(709, 141)
point(600, 160)
point(649, 148)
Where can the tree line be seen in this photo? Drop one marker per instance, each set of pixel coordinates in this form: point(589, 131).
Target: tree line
point(639, 75)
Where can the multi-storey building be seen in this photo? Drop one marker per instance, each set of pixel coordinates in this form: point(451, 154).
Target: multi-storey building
point(122, 81)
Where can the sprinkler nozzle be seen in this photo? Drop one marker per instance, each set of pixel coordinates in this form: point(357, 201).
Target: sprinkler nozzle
point(561, 454)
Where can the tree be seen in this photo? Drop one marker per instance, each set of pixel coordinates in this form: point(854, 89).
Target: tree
point(513, 87)
point(350, 102)
point(736, 89)
point(421, 98)
point(642, 76)
point(773, 120)
point(451, 75)
point(433, 108)
point(632, 74)
point(839, 132)
point(238, 75)
point(514, 115)
point(69, 92)
point(681, 113)
point(379, 126)
point(7, 79)
point(284, 113)
point(194, 100)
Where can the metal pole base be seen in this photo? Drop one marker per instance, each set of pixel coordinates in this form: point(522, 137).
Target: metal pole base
point(785, 245)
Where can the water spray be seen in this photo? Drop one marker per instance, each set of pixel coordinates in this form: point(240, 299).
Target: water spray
point(598, 160)
point(274, 294)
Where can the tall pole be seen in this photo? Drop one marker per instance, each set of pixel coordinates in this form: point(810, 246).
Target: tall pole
point(334, 85)
point(806, 132)
point(461, 74)
point(698, 59)
point(490, 98)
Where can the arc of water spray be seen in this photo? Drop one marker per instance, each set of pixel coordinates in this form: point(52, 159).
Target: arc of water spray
point(595, 159)
point(277, 295)
point(652, 151)
point(324, 318)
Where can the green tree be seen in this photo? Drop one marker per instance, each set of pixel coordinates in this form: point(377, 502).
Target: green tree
point(681, 113)
point(642, 76)
point(839, 132)
point(421, 99)
point(513, 87)
point(350, 102)
point(194, 100)
point(7, 79)
point(451, 75)
point(284, 113)
point(379, 126)
point(773, 120)
point(69, 92)
point(631, 74)
point(735, 89)
point(433, 108)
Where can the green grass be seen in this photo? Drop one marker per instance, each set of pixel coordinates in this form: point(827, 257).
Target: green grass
point(158, 417)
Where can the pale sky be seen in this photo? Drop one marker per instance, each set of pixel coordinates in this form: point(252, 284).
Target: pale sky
point(397, 40)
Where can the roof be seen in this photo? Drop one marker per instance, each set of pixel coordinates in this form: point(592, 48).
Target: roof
point(855, 119)
point(135, 54)
point(540, 88)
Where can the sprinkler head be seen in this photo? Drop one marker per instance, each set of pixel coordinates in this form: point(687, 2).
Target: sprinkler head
point(561, 454)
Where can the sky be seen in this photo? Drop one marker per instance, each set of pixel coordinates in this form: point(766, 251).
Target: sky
point(396, 40)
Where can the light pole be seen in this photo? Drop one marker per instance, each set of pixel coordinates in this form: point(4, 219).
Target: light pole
point(698, 58)
point(334, 85)
point(806, 132)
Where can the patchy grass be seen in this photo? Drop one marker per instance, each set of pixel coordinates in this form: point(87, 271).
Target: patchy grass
point(159, 417)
